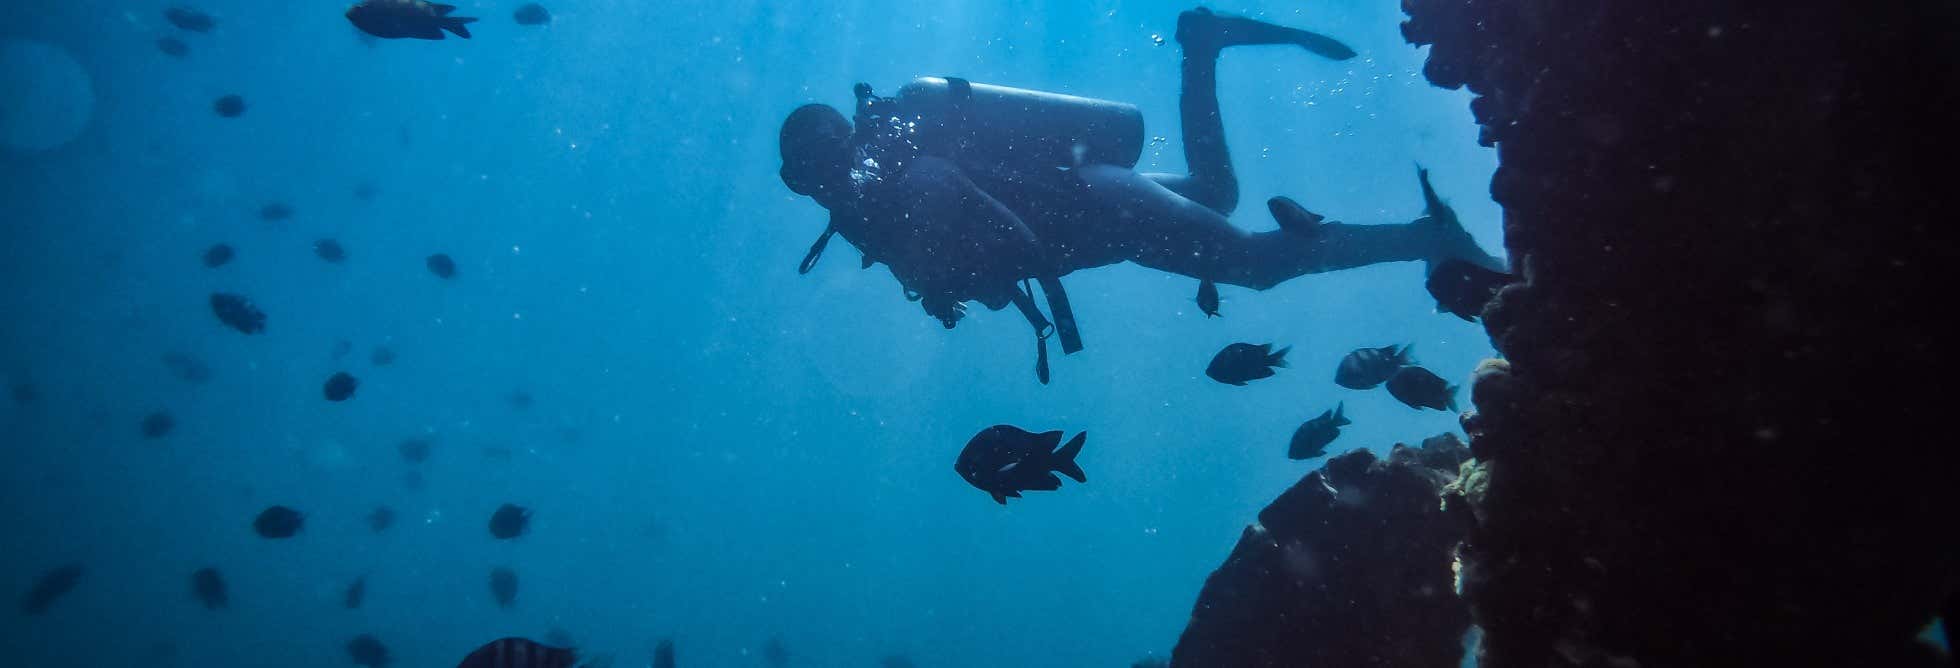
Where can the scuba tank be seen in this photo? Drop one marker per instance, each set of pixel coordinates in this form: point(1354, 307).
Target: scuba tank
point(995, 129)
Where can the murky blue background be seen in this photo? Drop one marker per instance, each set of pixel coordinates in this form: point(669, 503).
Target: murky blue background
point(720, 450)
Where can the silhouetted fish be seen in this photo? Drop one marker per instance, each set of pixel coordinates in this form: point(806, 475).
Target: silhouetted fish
point(237, 312)
point(329, 250)
point(187, 368)
point(278, 522)
point(382, 518)
point(440, 265)
point(173, 47)
point(190, 19)
point(218, 255)
point(1240, 363)
point(382, 356)
point(418, 19)
point(275, 212)
point(50, 587)
point(1313, 436)
point(1208, 298)
point(1419, 388)
point(209, 588)
point(366, 650)
point(414, 450)
point(509, 521)
point(519, 653)
point(157, 425)
point(340, 386)
point(1004, 461)
point(356, 593)
point(1463, 289)
point(229, 106)
point(531, 14)
point(503, 586)
point(1367, 367)
point(663, 653)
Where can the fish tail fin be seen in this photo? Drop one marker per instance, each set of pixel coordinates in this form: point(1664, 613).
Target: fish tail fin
point(1065, 458)
point(1278, 357)
point(1408, 355)
point(1450, 394)
point(1340, 415)
point(458, 25)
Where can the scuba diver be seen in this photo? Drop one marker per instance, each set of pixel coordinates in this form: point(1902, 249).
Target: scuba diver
point(971, 192)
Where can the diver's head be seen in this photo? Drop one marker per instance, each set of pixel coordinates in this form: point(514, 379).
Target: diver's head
point(816, 146)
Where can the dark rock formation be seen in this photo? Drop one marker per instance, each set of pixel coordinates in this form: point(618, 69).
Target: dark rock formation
point(1349, 567)
point(1713, 442)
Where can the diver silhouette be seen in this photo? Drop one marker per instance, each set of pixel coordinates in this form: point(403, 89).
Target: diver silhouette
point(970, 192)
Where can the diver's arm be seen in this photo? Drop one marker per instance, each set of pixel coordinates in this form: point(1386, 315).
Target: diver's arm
point(989, 234)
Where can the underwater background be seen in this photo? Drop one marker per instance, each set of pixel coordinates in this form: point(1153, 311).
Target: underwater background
point(716, 449)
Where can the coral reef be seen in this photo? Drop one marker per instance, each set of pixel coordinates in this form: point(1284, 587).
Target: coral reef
point(1716, 435)
point(1349, 567)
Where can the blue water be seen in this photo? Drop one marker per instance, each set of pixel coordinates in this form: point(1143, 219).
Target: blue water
point(720, 451)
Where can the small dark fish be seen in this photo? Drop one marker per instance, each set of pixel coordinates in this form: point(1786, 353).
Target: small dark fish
point(236, 311)
point(366, 650)
point(503, 586)
point(1208, 298)
point(275, 212)
point(1313, 436)
point(382, 356)
point(519, 400)
point(1004, 461)
point(1242, 362)
point(340, 386)
point(173, 47)
point(509, 521)
point(278, 522)
point(340, 349)
point(356, 593)
point(442, 266)
point(157, 425)
point(218, 255)
point(663, 653)
point(1367, 367)
point(209, 588)
point(330, 251)
point(414, 450)
point(187, 368)
point(1419, 388)
point(382, 518)
point(229, 106)
point(50, 587)
point(418, 19)
point(1463, 289)
point(774, 654)
point(532, 14)
point(190, 19)
point(519, 653)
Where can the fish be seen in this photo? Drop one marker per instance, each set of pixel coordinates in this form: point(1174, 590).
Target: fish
point(367, 650)
point(414, 450)
point(356, 593)
point(382, 356)
point(503, 586)
point(531, 14)
point(237, 312)
point(663, 653)
point(218, 255)
point(441, 265)
point(329, 250)
point(229, 106)
point(1208, 298)
point(1464, 289)
point(1004, 461)
point(380, 519)
point(278, 522)
point(189, 19)
point(275, 212)
point(340, 386)
point(1365, 368)
point(187, 368)
point(50, 587)
point(1419, 388)
point(509, 521)
point(774, 654)
point(1313, 436)
point(173, 47)
point(209, 588)
point(157, 425)
point(418, 19)
point(519, 653)
point(1242, 362)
